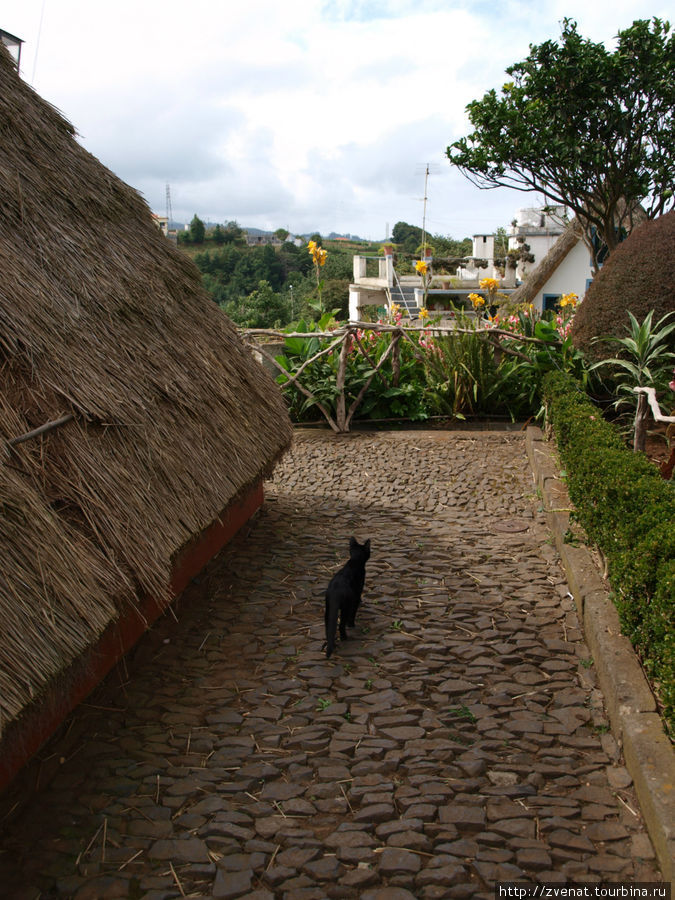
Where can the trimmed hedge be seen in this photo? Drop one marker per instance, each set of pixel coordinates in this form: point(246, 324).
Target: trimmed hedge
point(628, 510)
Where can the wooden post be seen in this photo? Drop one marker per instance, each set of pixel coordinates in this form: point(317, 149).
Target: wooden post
point(340, 405)
point(396, 361)
point(640, 433)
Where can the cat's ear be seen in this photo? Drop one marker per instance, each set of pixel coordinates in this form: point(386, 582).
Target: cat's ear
point(353, 543)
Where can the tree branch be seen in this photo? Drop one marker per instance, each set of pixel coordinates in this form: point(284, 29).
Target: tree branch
point(43, 429)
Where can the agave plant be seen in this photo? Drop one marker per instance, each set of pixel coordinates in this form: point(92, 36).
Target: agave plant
point(646, 361)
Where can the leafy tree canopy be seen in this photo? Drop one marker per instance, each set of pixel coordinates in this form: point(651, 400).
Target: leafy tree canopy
point(262, 308)
point(408, 237)
point(233, 233)
point(587, 127)
point(447, 246)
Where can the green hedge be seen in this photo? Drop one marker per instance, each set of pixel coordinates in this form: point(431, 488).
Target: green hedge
point(628, 510)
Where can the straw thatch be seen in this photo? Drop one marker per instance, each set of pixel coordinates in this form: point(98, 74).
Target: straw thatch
point(101, 318)
point(541, 273)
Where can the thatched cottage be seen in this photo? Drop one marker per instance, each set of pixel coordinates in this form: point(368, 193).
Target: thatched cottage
point(135, 426)
point(565, 268)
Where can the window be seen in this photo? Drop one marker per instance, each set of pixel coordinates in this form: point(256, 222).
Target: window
point(550, 302)
point(600, 248)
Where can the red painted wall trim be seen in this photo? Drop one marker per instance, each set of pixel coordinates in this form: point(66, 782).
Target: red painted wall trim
point(28, 733)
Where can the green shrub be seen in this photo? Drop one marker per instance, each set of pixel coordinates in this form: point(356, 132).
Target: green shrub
point(629, 512)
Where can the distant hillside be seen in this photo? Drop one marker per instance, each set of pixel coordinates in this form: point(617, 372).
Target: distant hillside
point(333, 236)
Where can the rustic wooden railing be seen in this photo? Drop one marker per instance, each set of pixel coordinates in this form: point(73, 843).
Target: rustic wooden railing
point(346, 336)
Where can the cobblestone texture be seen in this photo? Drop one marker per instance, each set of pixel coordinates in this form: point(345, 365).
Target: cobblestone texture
point(457, 739)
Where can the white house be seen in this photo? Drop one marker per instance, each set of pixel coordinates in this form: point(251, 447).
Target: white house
point(533, 233)
point(550, 258)
point(564, 269)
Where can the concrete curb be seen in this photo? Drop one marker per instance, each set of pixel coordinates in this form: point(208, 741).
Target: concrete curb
point(630, 703)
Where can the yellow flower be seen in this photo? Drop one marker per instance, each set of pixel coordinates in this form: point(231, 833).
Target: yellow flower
point(318, 254)
point(489, 284)
point(421, 267)
point(477, 300)
point(569, 300)
point(424, 313)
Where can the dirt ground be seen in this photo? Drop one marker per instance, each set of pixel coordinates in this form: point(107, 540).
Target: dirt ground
point(657, 449)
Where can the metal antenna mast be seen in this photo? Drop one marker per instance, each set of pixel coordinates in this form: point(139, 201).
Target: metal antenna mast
point(169, 211)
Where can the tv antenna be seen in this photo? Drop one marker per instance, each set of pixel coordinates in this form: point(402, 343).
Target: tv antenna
point(424, 213)
point(429, 169)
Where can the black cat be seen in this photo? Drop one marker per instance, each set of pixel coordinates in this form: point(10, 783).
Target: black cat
point(343, 594)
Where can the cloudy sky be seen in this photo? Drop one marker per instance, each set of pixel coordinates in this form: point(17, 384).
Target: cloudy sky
point(309, 116)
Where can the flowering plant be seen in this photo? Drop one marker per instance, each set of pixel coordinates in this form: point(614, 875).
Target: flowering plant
point(319, 257)
point(489, 284)
point(395, 314)
point(422, 268)
point(318, 254)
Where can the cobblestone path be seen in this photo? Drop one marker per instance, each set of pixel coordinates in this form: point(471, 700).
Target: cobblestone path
point(456, 740)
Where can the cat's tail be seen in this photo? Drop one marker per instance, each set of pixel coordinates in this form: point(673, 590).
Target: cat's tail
point(331, 620)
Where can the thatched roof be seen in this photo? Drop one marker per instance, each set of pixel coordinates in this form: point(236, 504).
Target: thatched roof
point(101, 318)
point(541, 273)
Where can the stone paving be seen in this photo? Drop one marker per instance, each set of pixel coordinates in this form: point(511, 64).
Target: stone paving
point(457, 739)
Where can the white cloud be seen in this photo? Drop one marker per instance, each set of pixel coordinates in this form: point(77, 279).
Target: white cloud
point(311, 117)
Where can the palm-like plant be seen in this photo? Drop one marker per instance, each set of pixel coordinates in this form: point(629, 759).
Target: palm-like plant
point(646, 361)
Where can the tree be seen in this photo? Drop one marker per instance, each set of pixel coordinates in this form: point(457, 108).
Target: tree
point(586, 127)
point(282, 234)
point(234, 234)
point(197, 230)
point(296, 261)
point(447, 246)
point(408, 237)
point(501, 242)
point(262, 308)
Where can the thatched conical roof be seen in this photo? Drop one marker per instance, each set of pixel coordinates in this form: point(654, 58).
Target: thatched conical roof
point(102, 318)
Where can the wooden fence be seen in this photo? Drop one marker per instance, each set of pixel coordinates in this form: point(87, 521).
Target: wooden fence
point(349, 335)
